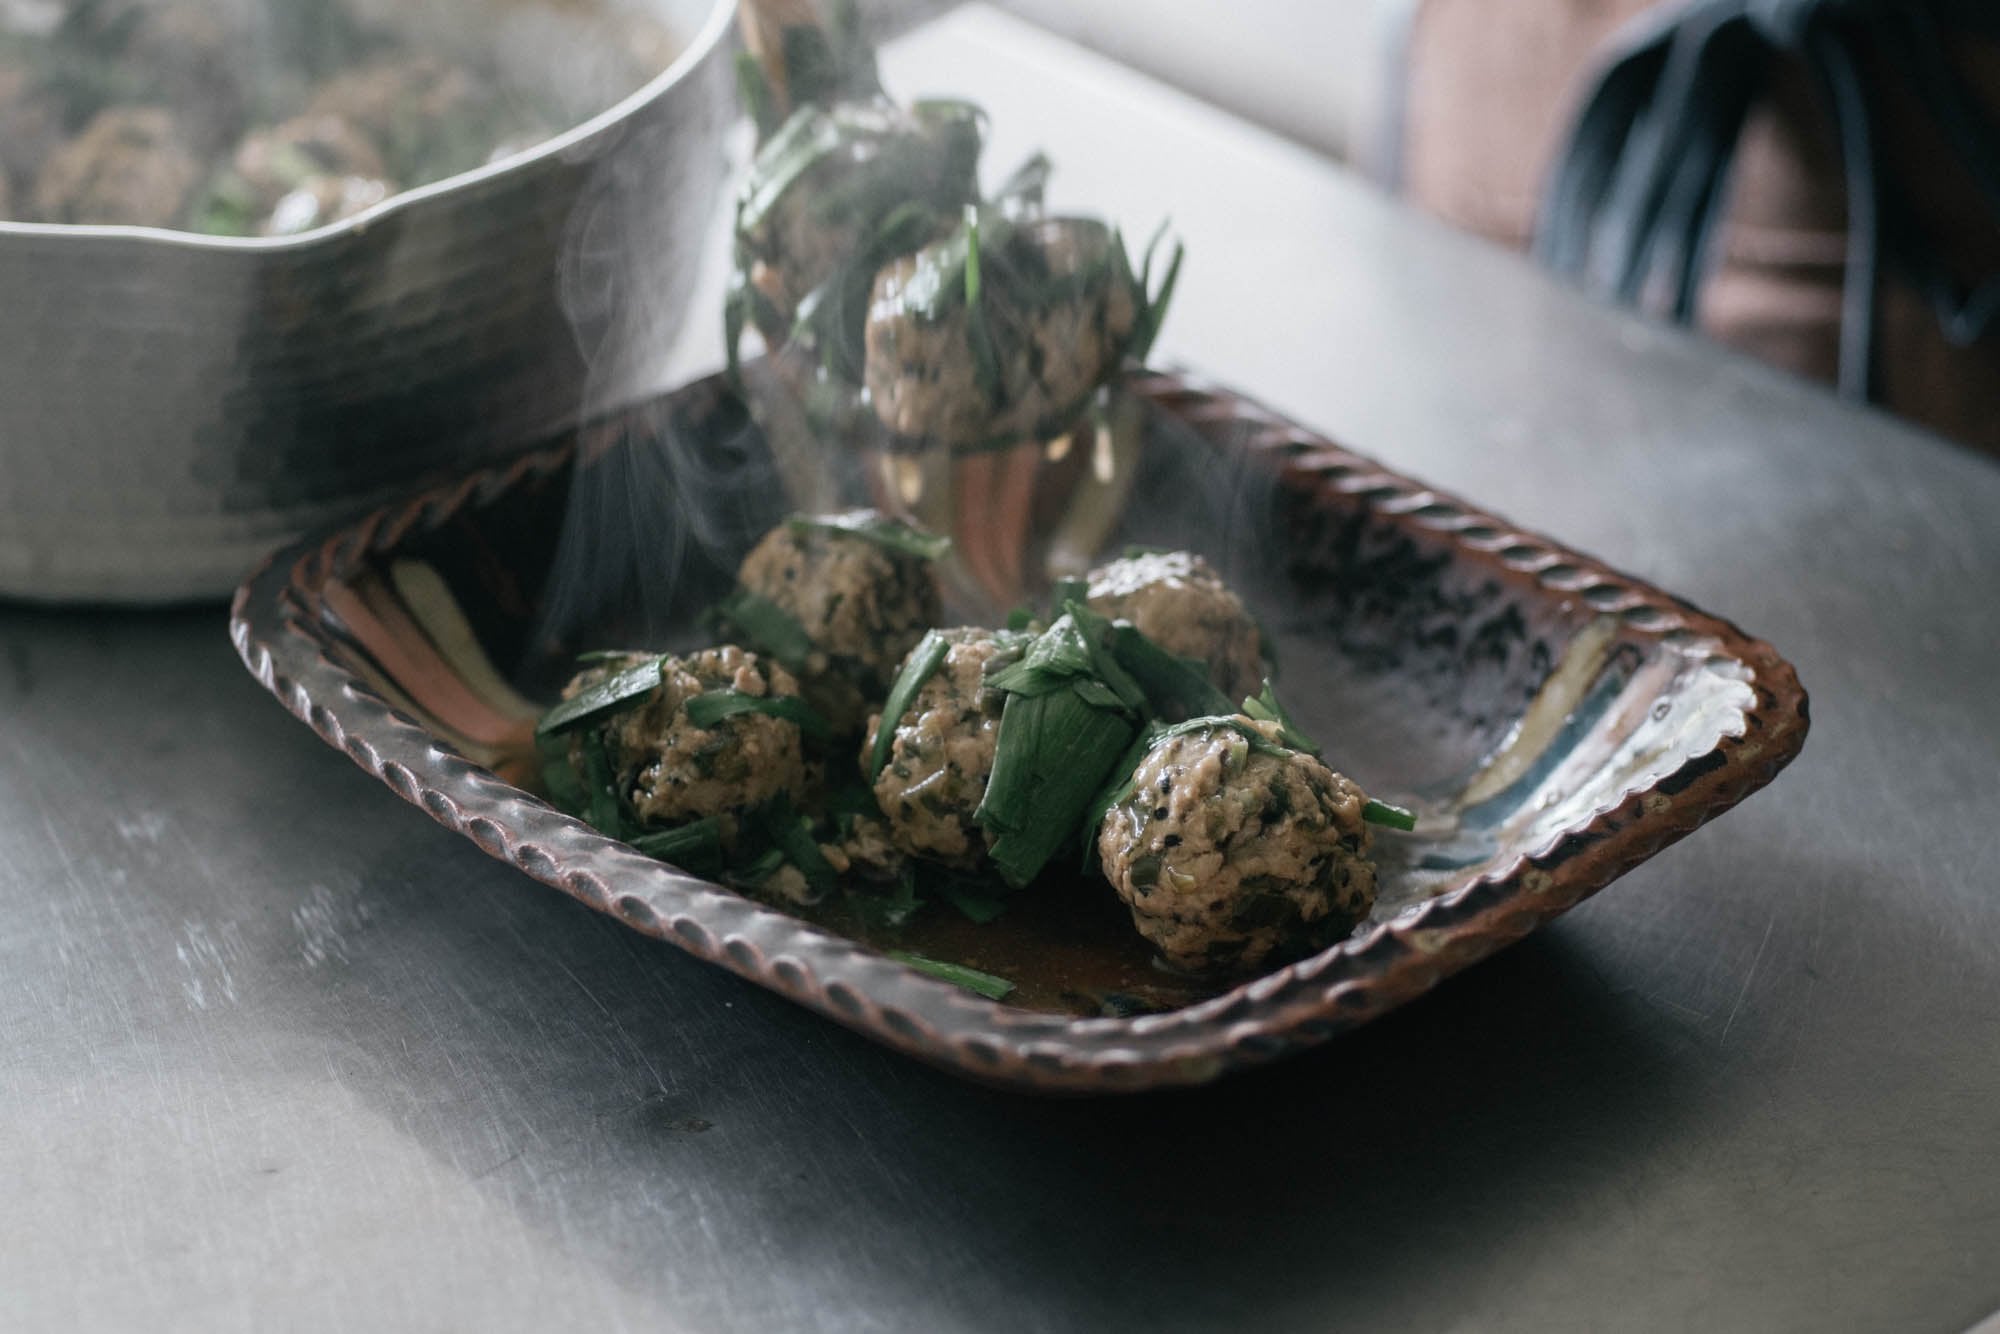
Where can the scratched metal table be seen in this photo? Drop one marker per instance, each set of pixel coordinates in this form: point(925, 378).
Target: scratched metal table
point(280, 1053)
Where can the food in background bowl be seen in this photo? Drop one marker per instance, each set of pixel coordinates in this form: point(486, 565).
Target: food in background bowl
point(274, 117)
point(175, 404)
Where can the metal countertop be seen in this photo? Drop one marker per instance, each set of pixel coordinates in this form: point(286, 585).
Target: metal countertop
point(262, 1067)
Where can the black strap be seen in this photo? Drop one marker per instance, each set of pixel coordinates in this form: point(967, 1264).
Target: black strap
point(1636, 197)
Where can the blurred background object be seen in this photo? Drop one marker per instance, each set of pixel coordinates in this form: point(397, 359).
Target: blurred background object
point(174, 405)
point(1465, 108)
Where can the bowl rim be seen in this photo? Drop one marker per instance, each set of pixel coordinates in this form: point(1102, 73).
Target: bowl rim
point(282, 636)
point(713, 32)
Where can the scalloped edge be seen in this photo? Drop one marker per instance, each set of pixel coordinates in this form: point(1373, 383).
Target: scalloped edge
point(1304, 1004)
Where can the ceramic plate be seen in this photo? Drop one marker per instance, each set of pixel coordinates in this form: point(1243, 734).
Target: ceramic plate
point(1553, 722)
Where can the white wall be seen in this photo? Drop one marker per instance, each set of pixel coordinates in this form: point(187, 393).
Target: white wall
point(1310, 69)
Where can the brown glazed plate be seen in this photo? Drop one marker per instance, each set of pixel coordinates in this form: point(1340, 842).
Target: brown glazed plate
point(1553, 722)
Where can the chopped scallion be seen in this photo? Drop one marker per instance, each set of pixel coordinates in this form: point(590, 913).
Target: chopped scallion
point(695, 847)
point(986, 984)
point(879, 529)
point(924, 660)
point(791, 834)
point(708, 709)
point(1176, 687)
point(615, 692)
point(1265, 708)
point(1389, 817)
point(974, 906)
point(765, 627)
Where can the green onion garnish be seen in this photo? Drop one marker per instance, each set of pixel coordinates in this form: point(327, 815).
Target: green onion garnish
point(1176, 687)
point(877, 528)
point(765, 627)
point(1071, 713)
point(566, 791)
point(1067, 591)
point(708, 709)
point(1389, 817)
point(695, 847)
point(924, 660)
point(1265, 708)
point(893, 910)
point(974, 906)
point(986, 984)
point(755, 91)
point(1076, 649)
point(1153, 304)
point(1054, 753)
point(971, 256)
point(606, 697)
point(604, 809)
point(791, 833)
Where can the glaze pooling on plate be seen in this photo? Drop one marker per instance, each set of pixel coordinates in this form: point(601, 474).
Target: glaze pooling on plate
point(1554, 723)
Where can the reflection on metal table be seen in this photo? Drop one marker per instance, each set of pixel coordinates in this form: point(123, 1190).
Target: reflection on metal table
point(281, 1053)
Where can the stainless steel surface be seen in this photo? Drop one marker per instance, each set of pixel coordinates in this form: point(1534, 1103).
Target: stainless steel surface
point(276, 1051)
point(172, 406)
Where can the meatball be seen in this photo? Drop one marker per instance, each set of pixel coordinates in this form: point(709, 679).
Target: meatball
point(1058, 314)
point(1232, 854)
point(865, 848)
point(822, 188)
point(309, 171)
point(862, 604)
point(130, 166)
point(1176, 600)
point(943, 750)
point(428, 118)
point(672, 771)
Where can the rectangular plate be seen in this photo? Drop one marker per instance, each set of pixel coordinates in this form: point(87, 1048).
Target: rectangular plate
point(1555, 723)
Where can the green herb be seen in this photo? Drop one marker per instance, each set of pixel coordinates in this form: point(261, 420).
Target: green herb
point(892, 911)
point(1077, 648)
point(1053, 754)
point(1021, 193)
point(1071, 712)
point(755, 90)
point(1153, 304)
point(617, 691)
point(605, 809)
point(791, 833)
point(832, 319)
point(566, 791)
point(971, 255)
point(759, 869)
point(695, 847)
point(976, 907)
point(1117, 788)
point(924, 660)
point(1067, 591)
point(986, 984)
point(1391, 817)
point(708, 709)
point(1176, 687)
point(765, 627)
point(877, 528)
point(1020, 619)
point(1265, 708)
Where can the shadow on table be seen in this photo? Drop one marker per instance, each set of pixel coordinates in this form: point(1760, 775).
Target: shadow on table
point(660, 1114)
